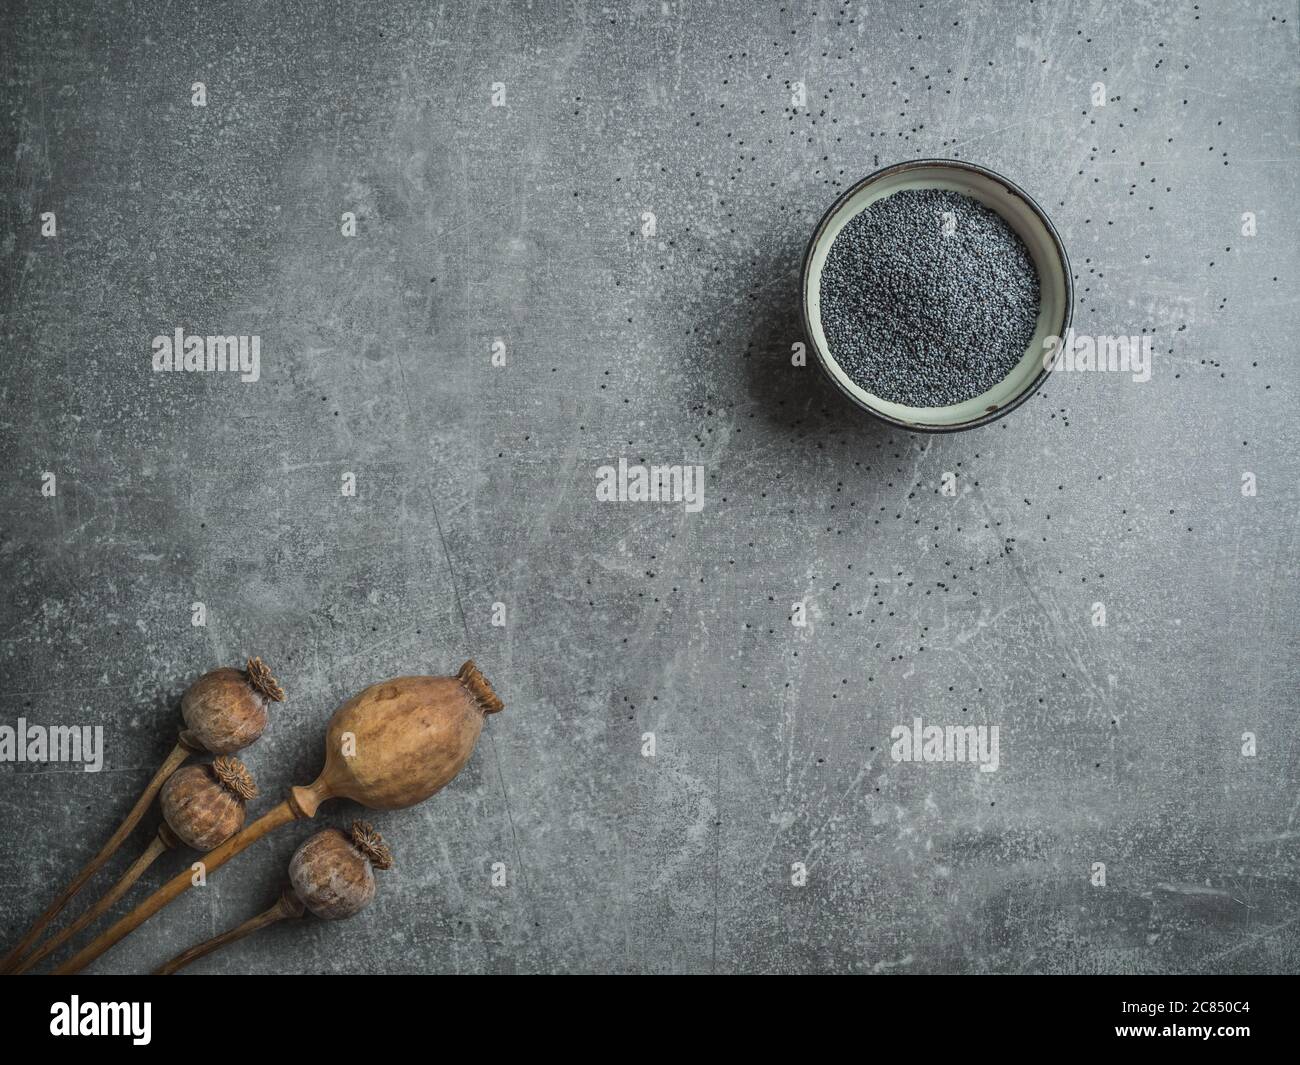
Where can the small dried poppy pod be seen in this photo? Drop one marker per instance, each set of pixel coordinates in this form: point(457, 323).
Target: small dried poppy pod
point(203, 805)
point(225, 709)
point(332, 874)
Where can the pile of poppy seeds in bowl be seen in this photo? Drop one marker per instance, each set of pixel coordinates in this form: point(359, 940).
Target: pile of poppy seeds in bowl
point(928, 298)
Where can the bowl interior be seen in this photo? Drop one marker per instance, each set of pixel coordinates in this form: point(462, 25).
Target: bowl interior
point(1053, 308)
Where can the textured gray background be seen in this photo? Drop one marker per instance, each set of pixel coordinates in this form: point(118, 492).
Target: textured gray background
point(477, 484)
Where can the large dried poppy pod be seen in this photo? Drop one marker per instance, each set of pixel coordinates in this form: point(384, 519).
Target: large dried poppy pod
point(401, 740)
point(331, 873)
point(226, 710)
point(204, 804)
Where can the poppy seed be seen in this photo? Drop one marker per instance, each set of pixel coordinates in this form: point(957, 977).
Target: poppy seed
point(928, 298)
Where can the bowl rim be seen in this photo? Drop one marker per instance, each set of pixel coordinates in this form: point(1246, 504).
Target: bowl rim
point(917, 164)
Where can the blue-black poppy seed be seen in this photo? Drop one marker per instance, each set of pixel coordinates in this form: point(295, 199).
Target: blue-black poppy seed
point(924, 313)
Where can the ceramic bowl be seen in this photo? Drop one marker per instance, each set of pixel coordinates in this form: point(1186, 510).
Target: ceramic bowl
point(1022, 214)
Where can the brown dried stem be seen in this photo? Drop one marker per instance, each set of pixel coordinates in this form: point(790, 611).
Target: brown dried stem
point(179, 753)
point(150, 855)
point(287, 905)
point(177, 886)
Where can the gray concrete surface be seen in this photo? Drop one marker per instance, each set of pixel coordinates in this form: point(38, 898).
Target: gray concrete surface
point(476, 484)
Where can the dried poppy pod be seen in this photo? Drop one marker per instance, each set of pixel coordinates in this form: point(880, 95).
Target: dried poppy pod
point(225, 710)
point(204, 804)
point(401, 740)
point(331, 874)
point(202, 807)
point(392, 745)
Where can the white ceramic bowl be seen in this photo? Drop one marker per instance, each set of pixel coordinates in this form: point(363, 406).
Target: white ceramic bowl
point(1056, 298)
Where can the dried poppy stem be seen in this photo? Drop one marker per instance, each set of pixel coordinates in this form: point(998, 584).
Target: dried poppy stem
point(175, 887)
point(224, 711)
point(202, 806)
point(179, 753)
point(156, 848)
point(388, 747)
point(287, 905)
point(331, 875)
